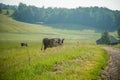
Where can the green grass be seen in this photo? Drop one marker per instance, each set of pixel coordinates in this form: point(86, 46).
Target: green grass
point(117, 46)
point(69, 26)
point(7, 24)
point(79, 57)
point(70, 62)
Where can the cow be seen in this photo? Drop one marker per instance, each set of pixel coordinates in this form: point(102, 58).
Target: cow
point(24, 44)
point(53, 42)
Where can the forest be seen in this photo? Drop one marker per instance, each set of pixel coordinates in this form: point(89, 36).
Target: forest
point(98, 18)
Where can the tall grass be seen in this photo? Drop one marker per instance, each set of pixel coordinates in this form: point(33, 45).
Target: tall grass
point(67, 62)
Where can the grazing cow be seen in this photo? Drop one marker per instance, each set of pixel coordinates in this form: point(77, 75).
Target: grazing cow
point(24, 44)
point(53, 42)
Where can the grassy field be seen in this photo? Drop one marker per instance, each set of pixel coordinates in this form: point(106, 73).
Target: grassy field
point(67, 62)
point(11, 30)
point(78, 59)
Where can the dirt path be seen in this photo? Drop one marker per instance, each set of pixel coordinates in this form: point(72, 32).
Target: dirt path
point(112, 71)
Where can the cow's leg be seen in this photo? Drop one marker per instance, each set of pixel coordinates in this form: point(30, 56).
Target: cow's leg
point(22, 44)
point(45, 47)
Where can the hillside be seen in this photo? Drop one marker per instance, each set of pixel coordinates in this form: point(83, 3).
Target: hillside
point(12, 30)
point(7, 24)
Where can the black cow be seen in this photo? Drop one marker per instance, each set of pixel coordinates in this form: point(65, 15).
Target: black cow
point(53, 42)
point(24, 44)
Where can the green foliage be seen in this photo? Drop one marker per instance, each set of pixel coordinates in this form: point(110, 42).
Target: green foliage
point(4, 6)
point(7, 12)
point(117, 46)
point(105, 38)
point(0, 10)
point(94, 17)
point(118, 31)
point(27, 13)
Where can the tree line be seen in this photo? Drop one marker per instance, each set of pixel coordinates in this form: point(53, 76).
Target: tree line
point(99, 18)
point(4, 6)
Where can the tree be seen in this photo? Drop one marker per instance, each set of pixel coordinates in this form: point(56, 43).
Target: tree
point(118, 31)
point(93, 17)
point(7, 12)
point(105, 37)
point(20, 14)
point(21, 7)
point(0, 10)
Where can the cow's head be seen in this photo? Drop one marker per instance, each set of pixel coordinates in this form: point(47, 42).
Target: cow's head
point(61, 41)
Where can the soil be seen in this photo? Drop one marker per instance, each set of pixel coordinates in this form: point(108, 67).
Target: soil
point(112, 71)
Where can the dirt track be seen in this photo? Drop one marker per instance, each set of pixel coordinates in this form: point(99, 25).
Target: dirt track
point(112, 71)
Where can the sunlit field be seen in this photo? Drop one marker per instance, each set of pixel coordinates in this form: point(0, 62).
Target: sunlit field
point(79, 58)
point(66, 62)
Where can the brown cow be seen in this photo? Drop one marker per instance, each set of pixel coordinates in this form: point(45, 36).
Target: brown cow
point(53, 42)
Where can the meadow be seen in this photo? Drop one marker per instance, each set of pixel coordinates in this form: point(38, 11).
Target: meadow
point(67, 62)
point(79, 58)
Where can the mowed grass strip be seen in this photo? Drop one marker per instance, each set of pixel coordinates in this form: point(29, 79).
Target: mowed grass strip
point(67, 62)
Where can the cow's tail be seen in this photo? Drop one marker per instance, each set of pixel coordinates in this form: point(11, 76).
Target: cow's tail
point(42, 46)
